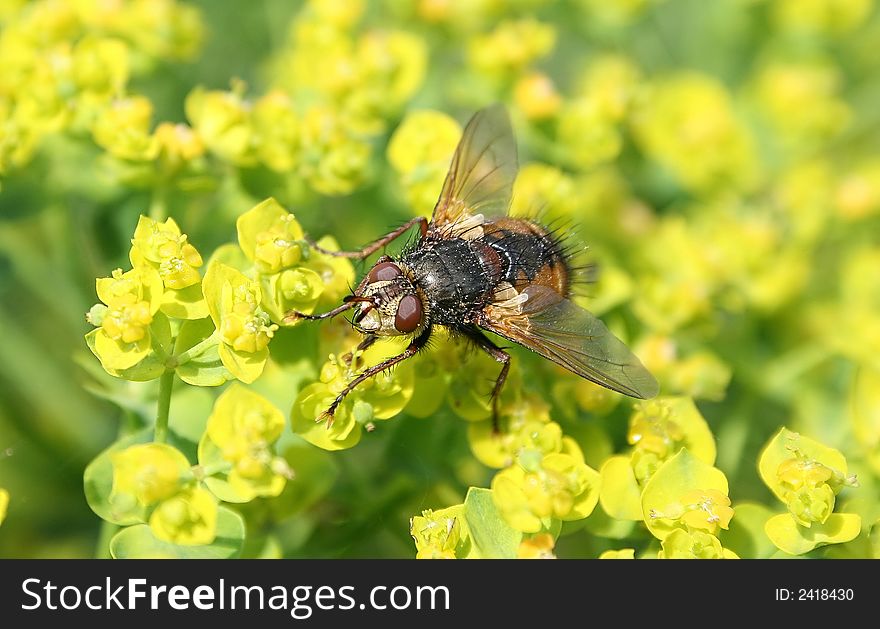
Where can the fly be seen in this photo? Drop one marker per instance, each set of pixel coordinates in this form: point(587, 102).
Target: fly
point(474, 269)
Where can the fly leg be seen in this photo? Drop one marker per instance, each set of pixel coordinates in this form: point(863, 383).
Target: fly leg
point(349, 303)
point(412, 349)
point(421, 221)
point(366, 343)
point(500, 356)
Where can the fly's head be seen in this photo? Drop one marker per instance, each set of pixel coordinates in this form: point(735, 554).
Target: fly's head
point(389, 303)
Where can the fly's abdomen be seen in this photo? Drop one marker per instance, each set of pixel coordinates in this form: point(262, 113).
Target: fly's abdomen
point(529, 254)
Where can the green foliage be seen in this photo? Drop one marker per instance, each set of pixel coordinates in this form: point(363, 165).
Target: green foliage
point(139, 542)
point(717, 158)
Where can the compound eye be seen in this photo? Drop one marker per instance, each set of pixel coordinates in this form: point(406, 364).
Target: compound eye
point(409, 314)
point(383, 272)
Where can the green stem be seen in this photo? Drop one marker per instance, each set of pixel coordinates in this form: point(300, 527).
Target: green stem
point(156, 346)
point(158, 204)
point(166, 383)
point(198, 348)
point(202, 472)
point(107, 531)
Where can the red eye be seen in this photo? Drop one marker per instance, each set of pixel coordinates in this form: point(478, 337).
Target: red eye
point(409, 314)
point(383, 272)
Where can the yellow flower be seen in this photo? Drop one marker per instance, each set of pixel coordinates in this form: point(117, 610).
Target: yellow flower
point(537, 97)
point(545, 188)
point(188, 518)
point(233, 302)
point(612, 82)
point(800, 100)
point(101, 65)
point(243, 328)
point(556, 486)
point(511, 47)
point(161, 28)
point(271, 237)
point(4, 503)
point(334, 158)
point(178, 143)
point(682, 544)
point(538, 546)
point(437, 534)
point(834, 17)
point(222, 122)
point(587, 135)
point(123, 128)
point(276, 131)
point(132, 300)
point(244, 427)
point(858, 194)
point(682, 121)
point(151, 472)
point(162, 246)
point(706, 509)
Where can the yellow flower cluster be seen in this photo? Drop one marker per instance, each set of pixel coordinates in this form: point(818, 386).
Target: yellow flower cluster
point(155, 478)
point(67, 64)
point(729, 210)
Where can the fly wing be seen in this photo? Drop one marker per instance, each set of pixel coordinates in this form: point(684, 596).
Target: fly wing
point(479, 183)
point(561, 331)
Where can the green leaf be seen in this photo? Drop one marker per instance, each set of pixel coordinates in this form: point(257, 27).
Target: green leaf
point(620, 495)
point(185, 303)
point(315, 472)
point(698, 438)
point(4, 502)
point(189, 412)
point(746, 536)
point(138, 542)
point(98, 483)
point(246, 366)
point(865, 404)
point(682, 473)
point(491, 536)
point(795, 539)
point(602, 525)
point(210, 455)
point(280, 382)
point(224, 491)
point(858, 548)
point(204, 369)
point(260, 218)
point(262, 547)
point(149, 367)
point(231, 255)
point(874, 537)
point(220, 486)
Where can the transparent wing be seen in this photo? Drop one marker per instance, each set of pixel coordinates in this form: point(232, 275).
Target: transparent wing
point(565, 333)
point(481, 175)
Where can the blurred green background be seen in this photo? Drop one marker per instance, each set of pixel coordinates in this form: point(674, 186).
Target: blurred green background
point(719, 158)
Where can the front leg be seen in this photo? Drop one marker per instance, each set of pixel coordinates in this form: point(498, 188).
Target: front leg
point(412, 349)
point(349, 302)
point(363, 345)
point(421, 221)
point(500, 356)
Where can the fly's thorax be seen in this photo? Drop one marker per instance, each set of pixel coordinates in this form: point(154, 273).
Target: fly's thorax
point(390, 304)
point(456, 275)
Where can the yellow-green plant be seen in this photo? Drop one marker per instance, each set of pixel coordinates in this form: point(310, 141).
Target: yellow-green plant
point(712, 166)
